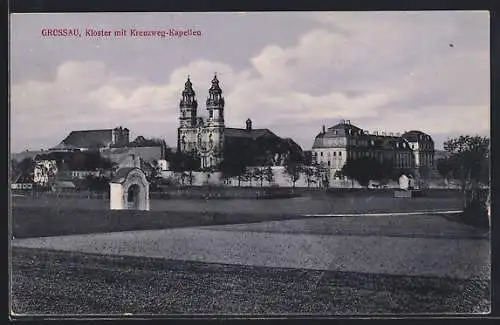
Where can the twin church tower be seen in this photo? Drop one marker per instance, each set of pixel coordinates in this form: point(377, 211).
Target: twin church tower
point(203, 136)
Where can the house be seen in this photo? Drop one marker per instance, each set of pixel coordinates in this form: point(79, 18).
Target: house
point(22, 182)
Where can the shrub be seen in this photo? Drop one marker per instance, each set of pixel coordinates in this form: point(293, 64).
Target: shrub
point(476, 214)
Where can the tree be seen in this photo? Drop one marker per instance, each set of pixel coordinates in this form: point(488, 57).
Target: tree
point(98, 184)
point(365, 169)
point(181, 162)
point(26, 165)
point(309, 174)
point(424, 174)
point(382, 171)
point(183, 176)
point(235, 162)
point(155, 175)
point(268, 174)
point(318, 173)
point(469, 163)
point(292, 170)
point(247, 176)
point(259, 175)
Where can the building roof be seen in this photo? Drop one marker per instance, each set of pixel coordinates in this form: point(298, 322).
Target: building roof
point(57, 156)
point(417, 136)
point(122, 174)
point(63, 184)
point(63, 146)
point(141, 141)
point(146, 153)
point(339, 130)
point(25, 154)
point(249, 134)
point(342, 129)
point(22, 178)
point(89, 138)
point(345, 128)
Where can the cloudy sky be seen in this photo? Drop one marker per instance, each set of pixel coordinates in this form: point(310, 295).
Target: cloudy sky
point(290, 72)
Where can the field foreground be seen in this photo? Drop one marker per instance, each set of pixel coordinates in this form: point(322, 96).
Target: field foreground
point(48, 282)
point(357, 265)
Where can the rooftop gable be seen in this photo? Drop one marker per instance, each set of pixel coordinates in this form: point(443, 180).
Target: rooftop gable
point(89, 138)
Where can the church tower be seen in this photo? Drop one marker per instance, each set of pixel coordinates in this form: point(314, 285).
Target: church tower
point(187, 119)
point(215, 103)
point(215, 125)
point(188, 106)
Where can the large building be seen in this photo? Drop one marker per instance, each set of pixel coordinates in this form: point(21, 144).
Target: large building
point(113, 144)
point(94, 139)
point(207, 137)
point(333, 147)
point(422, 146)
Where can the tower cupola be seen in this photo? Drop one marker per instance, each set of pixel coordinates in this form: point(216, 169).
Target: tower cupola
point(215, 101)
point(188, 105)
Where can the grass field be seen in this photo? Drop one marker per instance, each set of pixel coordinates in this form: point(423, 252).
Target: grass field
point(52, 216)
point(49, 282)
point(331, 203)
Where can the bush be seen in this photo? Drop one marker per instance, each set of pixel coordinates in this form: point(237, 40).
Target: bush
point(476, 214)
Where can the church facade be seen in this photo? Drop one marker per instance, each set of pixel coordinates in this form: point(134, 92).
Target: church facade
point(203, 136)
point(208, 137)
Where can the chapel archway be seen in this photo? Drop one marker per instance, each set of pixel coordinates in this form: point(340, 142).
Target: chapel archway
point(129, 190)
point(133, 197)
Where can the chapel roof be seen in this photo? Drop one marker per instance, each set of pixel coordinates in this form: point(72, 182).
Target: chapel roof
point(122, 174)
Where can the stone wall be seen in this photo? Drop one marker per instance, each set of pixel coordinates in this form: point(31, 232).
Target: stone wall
point(280, 179)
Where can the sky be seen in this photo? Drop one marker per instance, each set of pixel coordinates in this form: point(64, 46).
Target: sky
point(291, 72)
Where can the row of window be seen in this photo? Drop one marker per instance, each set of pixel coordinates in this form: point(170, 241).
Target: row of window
point(315, 154)
point(402, 161)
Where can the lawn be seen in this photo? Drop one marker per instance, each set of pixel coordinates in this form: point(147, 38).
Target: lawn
point(49, 216)
point(49, 282)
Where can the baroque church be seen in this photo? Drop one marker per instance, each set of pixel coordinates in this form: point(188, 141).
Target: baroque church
point(207, 137)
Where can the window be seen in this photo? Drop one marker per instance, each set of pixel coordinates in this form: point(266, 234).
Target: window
point(340, 153)
point(321, 153)
point(328, 163)
point(334, 153)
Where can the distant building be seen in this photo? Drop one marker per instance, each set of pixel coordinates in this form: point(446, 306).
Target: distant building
point(22, 182)
point(94, 139)
point(422, 146)
point(207, 137)
point(112, 144)
point(334, 146)
point(44, 172)
point(63, 186)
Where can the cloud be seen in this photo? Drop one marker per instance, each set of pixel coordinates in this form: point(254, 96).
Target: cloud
point(392, 71)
